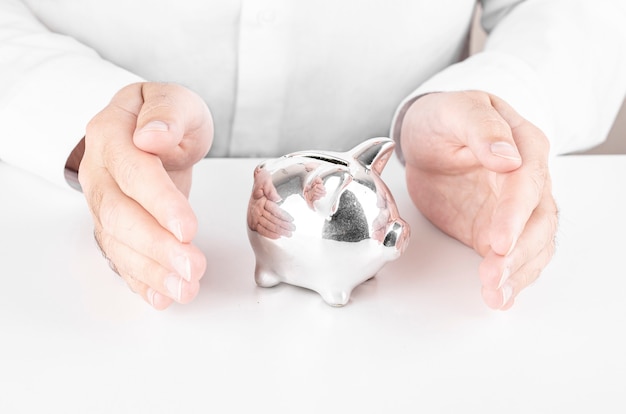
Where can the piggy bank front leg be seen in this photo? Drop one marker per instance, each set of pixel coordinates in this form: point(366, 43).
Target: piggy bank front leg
point(264, 277)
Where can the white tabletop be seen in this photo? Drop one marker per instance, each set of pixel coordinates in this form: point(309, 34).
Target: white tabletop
point(417, 338)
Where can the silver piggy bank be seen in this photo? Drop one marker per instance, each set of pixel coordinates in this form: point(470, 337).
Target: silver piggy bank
point(325, 220)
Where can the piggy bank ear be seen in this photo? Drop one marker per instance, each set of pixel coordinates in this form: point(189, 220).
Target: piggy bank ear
point(323, 187)
point(374, 153)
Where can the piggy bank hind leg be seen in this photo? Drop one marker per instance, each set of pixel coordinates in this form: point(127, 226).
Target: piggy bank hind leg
point(335, 298)
point(264, 277)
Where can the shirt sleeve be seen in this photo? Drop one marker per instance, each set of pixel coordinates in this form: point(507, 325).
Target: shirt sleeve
point(50, 87)
point(560, 63)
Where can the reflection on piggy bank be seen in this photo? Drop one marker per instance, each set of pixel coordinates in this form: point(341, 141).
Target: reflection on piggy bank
point(325, 220)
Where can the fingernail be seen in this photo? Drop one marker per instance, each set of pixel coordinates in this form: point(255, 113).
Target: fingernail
point(505, 275)
point(505, 150)
point(513, 243)
point(507, 292)
point(182, 265)
point(176, 229)
point(174, 285)
point(155, 126)
point(150, 295)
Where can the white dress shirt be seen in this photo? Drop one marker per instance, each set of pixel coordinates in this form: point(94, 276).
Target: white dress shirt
point(286, 75)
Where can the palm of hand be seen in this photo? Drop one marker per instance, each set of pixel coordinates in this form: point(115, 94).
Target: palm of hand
point(459, 199)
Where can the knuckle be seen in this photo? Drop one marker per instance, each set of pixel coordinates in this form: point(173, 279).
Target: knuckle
point(542, 141)
point(495, 128)
point(95, 124)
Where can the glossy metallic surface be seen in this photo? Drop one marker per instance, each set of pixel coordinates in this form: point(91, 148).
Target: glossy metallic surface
point(325, 220)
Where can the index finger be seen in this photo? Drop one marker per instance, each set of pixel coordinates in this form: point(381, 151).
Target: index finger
point(521, 190)
point(141, 176)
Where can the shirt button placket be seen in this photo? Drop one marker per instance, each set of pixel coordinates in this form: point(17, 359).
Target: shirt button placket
point(261, 78)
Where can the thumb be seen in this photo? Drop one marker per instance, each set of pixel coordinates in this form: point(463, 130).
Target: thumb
point(157, 136)
point(490, 137)
point(173, 123)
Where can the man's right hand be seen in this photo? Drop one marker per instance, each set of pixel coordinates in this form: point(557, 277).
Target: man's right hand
point(136, 177)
